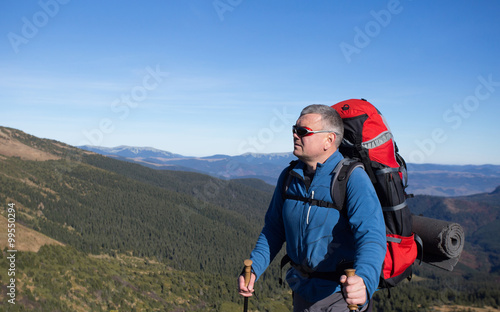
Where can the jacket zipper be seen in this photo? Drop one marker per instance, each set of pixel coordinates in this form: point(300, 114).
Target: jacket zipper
point(309, 210)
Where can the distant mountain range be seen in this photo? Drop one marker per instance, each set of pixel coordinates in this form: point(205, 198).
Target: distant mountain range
point(424, 179)
point(266, 167)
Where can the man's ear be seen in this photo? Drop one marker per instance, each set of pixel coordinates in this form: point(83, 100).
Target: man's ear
point(330, 141)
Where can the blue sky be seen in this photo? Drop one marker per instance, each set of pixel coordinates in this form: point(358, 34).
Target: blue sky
point(204, 77)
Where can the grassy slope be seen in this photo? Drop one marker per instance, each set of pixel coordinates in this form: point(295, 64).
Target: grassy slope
point(26, 238)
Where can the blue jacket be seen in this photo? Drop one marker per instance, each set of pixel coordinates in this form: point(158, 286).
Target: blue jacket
point(321, 238)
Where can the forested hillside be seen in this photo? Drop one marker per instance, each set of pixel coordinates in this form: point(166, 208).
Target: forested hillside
point(97, 205)
point(141, 239)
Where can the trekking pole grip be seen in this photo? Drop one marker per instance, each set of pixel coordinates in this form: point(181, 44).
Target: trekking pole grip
point(248, 271)
point(247, 274)
point(348, 273)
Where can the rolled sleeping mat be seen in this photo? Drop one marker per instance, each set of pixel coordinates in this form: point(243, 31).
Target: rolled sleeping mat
point(443, 241)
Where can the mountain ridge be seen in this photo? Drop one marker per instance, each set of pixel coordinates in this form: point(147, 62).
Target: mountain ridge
point(424, 179)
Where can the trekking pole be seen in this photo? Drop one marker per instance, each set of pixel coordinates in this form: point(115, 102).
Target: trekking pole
point(248, 274)
point(351, 272)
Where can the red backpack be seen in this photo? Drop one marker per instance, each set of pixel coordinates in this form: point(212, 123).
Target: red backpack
point(368, 139)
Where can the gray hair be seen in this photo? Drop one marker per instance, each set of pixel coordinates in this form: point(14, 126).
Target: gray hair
point(330, 118)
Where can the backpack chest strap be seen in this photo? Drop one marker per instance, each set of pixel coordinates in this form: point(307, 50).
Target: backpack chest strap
point(314, 202)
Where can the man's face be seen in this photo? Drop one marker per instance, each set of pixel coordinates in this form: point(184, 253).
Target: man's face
point(310, 147)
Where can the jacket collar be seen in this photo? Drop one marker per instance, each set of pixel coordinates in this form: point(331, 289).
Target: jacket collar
point(328, 165)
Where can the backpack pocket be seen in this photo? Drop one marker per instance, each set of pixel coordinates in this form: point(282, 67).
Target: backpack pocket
point(401, 253)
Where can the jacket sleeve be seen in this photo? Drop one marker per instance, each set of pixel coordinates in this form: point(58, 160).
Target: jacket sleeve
point(272, 236)
point(368, 227)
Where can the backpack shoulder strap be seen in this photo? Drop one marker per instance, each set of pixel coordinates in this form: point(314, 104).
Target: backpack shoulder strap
point(288, 178)
point(342, 172)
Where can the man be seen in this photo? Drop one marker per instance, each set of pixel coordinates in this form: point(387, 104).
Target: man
point(321, 241)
